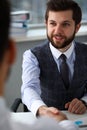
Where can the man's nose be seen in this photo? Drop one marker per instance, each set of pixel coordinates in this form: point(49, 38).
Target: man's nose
point(58, 29)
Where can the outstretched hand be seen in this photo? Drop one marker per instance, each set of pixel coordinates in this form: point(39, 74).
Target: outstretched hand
point(51, 112)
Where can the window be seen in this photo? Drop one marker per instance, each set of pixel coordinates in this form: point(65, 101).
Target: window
point(37, 9)
point(83, 6)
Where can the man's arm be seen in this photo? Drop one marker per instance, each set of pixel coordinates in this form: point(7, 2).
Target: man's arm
point(30, 89)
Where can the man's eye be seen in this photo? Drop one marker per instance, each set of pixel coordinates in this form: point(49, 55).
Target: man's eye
point(66, 24)
point(53, 24)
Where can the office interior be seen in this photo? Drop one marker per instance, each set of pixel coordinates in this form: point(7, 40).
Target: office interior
point(36, 34)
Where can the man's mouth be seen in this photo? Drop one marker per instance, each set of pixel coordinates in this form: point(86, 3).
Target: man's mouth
point(58, 37)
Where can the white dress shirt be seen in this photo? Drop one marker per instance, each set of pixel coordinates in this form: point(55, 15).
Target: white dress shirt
point(30, 89)
point(6, 122)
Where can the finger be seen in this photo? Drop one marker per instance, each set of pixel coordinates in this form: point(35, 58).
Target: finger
point(67, 105)
point(74, 104)
point(76, 107)
point(81, 109)
point(54, 110)
point(59, 117)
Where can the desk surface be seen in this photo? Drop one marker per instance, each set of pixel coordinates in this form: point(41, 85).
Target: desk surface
point(72, 116)
point(28, 117)
point(77, 118)
point(24, 117)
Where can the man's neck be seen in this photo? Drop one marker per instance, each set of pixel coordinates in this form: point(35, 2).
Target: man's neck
point(65, 49)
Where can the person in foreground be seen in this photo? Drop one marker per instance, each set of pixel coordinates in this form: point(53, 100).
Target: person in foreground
point(7, 57)
point(54, 73)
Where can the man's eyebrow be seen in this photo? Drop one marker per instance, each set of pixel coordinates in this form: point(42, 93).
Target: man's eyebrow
point(67, 21)
point(51, 20)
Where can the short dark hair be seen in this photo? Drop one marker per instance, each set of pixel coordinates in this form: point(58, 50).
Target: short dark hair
point(63, 5)
point(4, 26)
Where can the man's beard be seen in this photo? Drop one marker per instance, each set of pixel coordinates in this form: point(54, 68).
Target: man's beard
point(64, 44)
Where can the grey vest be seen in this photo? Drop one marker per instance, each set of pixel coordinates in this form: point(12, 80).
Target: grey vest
point(53, 91)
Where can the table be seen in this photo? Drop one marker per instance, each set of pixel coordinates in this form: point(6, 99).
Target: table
point(77, 118)
point(28, 117)
point(23, 117)
point(72, 116)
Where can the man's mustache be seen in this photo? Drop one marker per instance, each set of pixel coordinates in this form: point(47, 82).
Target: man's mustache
point(59, 35)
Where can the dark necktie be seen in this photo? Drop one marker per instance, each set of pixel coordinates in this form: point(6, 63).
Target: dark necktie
point(64, 70)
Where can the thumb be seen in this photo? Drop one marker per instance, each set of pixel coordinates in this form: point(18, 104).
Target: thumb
point(54, 110)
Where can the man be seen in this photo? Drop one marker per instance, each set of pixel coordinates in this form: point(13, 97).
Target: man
point(45, 89)
point(7, 57)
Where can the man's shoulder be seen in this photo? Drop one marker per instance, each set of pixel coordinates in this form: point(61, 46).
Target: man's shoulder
point(80, 45)
point(41, 50)
point(40, 46)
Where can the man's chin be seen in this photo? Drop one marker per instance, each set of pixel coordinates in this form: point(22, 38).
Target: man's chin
point(58, 45)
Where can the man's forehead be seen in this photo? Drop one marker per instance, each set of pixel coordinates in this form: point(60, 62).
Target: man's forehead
point(60, 16)
point(67, 13)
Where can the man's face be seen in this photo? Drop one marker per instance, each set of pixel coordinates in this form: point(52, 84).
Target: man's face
point(61, 28)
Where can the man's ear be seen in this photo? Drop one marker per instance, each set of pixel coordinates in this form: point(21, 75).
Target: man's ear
point(78, 27)
point(45, 22)
point(12, 51)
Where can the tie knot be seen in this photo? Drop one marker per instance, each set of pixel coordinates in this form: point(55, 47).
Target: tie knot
point(63, 57)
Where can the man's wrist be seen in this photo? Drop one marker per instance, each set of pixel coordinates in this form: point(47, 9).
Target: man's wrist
point(40, 111)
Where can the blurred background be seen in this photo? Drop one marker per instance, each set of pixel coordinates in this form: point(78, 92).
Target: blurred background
point(37, 8)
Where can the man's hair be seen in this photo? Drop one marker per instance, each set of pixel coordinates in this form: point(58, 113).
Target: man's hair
point(4, 26)
point(64, 5)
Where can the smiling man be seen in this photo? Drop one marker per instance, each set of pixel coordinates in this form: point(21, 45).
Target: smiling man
point(61, 29)
point(50, 81)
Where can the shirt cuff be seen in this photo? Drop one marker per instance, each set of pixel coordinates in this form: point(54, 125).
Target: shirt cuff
point(35, 106)
point(68, 125)
point(84, 98)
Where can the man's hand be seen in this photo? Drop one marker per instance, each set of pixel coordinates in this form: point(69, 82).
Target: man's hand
point(76, 106)
point(51, 112)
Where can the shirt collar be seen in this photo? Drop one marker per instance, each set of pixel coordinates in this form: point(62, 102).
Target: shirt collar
point(56, 53)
